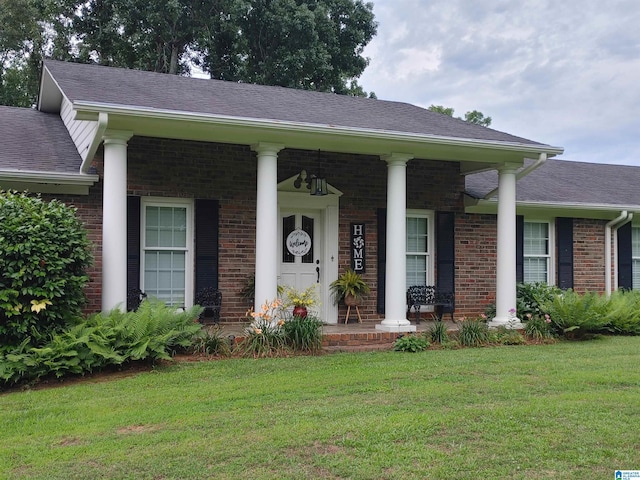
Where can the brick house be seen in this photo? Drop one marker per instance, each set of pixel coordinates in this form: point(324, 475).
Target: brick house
point(188, 183)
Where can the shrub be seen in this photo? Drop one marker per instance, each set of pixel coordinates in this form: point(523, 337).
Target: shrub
point(473, 332)
point(153, 332)
point(411, 343)
point(575, 316)
point(624, 312)
point(45, 252)
point(303, 334)
point(531, 298)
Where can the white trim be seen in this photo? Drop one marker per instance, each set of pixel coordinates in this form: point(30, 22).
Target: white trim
point(81, 179)
point(93, 108)
point(430, 254)
point(551, 248)
point(190, 240)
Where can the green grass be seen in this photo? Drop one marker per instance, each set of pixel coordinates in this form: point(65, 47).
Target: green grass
point(568, 410)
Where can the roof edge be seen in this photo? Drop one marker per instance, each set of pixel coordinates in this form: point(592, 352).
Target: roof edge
point(90, 110)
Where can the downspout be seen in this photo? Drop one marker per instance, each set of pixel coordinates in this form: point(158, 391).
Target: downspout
point(92, 148)
point(613, 226)
point(525, 171)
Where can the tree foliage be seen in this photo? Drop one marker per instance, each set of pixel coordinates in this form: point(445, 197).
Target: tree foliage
point(474, 116)
point(309, 44)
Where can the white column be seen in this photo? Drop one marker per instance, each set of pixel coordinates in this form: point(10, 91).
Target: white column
point(506, 254)
point(266, 287)
point(114, 221)
point(396, 272)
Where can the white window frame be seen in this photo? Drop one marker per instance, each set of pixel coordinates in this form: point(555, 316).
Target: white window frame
point(635, 259)
point(189, 249)
point(430, 254)
point(551, 253)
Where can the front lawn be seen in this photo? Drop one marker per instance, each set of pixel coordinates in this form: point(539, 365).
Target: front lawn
point(567, 410)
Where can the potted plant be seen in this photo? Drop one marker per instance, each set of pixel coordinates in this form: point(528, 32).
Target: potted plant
point(300, 300)
point(350, 287)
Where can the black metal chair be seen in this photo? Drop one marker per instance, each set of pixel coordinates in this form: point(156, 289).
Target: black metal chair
point(211, 299)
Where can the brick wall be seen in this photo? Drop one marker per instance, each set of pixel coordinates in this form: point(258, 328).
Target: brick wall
point(227, 173)
point(588, 255)
point(476, 253)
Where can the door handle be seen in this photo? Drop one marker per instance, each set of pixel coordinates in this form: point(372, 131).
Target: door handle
point(318, 270)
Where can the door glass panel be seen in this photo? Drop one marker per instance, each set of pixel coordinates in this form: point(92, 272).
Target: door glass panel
point(307, 226)
point(288, 226)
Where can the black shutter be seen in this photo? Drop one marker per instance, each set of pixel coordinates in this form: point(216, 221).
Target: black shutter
point(382, 256)
point(133, 243)
point(564, 231)
point(445, 253)
point(207, 215)
point(625, 263)
point(519, 248)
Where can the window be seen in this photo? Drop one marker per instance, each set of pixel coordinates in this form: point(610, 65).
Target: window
point(537, 256)
point(166, 250)
point(635, 257)
point(419, 248)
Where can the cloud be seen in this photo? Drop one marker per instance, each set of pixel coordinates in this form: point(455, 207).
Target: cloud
point(562, 73)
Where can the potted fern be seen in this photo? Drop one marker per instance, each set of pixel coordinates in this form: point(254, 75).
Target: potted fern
point(350, 287)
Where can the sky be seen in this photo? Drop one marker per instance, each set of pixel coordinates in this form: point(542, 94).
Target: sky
point(564, 73)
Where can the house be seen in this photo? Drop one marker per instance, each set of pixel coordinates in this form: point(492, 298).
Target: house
point(186, 184)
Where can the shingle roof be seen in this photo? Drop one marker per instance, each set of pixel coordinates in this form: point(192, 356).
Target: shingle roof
point(94, 83)
point(36, 141)
point(568, 182)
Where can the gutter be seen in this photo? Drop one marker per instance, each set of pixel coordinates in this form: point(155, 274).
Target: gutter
point(49, 177)
point(612, 227)
point(88, 110)
point(525, 171)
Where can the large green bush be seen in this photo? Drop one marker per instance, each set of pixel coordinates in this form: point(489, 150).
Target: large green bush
point(44, 252)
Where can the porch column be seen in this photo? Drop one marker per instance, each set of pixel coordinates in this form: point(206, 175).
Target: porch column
point(114, 220)
point(506, 254)
point(396, 274)
point(266, 286)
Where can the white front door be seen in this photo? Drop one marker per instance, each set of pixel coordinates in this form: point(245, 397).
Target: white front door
point(301, 258)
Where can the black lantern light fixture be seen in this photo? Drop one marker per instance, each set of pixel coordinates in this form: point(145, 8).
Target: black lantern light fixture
point(316, 185)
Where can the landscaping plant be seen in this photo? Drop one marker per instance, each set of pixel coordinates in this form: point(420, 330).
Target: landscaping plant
point(45, 252)
point(303, 334)
point(411, 343)
point(473, 332)
point(574, 315)
point(154, 332)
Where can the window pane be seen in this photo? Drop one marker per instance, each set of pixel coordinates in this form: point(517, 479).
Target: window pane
point(288, 225)
point(417, 234)
point(535, 270)
point(416, 270)
point(636, 274)
point(166, 227)
point(536, 238)
point(307, 226)
point(164, 276)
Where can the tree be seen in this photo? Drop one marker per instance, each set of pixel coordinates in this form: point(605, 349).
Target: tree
point(474, 116)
